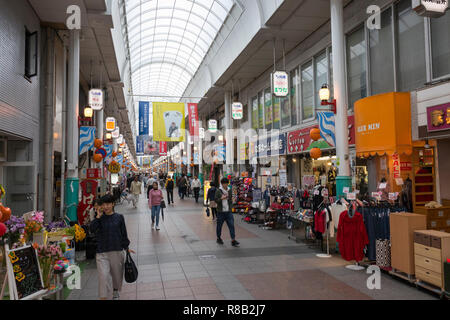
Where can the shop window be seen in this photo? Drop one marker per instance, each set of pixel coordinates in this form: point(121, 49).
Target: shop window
point(261, 110)
point(356, 66)
point(440, 45)
point(381, 56)
point(245, 113)
point(410, 36)
point(293, 96)
point(31, 53)
point(320, 74)
point(307, 91)
point(255, 113)
point(276, 112)
point(268, 108)
point(285, 112)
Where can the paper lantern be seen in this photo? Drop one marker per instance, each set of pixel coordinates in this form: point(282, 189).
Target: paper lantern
point(2, 229)
point(5, 214)
point(97, 158)
point(98, 143)
point(114, 154)
point(123, 166)
point(315, 153)
point(314, 133)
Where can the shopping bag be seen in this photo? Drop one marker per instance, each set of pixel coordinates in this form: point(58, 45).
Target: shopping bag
point(163, 204)
point(131, 271)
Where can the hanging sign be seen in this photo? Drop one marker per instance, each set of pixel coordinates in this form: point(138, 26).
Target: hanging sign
point(96, 99)
point(430, 8)
point(396, 165)
point(110, 124)
point(438, 117)
point(193, 118)
point(237, 111)
point(212, 125)
point(144, 117)
point(162, 148)
point(89, 193)
point(201, 132)
point(116, 133)
point(280, 83)
point(93, 173)
point(120, 139)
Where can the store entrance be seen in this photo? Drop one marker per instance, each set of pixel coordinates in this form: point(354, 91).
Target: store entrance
point(19, 180)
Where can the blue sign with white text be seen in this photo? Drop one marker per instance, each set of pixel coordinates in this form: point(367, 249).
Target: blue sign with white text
point(144, 117)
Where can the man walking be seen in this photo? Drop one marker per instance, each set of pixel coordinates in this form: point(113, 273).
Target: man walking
point(169, 187)
point(223, 200)
point(196, 185)
point(135, 190)
point(183, 186)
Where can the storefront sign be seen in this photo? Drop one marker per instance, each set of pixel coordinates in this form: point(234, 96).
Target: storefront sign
point(193, 119)
point(271, 146)
point(280, 84)
point(396, 165)
point(405, 166)
point(96, 99)
point(116, 133)
point(438, 117)
point(212, 125)
point(237, 111)
point(430, 8)
point(144, 117)
point(163, 148)
point(93, 173)
point(88, 194)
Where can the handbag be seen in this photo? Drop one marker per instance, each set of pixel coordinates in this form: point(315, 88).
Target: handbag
point(131, 271)
point(163, 204)
point(207, 212)
point(212, 204)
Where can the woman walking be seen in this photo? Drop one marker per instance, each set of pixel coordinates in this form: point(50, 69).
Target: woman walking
point(112, 239)
point(155, 196)
point(211, 199)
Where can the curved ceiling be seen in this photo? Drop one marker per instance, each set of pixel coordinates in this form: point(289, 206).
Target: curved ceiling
point(168, 40)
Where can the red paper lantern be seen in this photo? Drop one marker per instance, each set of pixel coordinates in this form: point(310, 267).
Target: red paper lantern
point(315, 153)
point(98, 143)
point(97, 157)
point(314, 133)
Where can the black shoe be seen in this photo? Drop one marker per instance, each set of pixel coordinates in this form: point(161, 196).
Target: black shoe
point(234, 243)
point(219, 241)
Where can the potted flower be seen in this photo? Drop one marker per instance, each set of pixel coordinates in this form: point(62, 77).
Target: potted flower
point(15, 229)
point(80, 244)
point(34, 227)
point(48, 256)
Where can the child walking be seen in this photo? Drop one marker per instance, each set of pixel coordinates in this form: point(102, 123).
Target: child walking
point(112, 239)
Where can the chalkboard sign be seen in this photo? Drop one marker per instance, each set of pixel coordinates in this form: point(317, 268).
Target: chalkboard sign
point(24, 272)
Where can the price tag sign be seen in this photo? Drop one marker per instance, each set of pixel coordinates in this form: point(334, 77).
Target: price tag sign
point(351, 196)
point(382, 185)
point(316, 192)
point(393, 195)
point(376, 195)
point(399, 181)
point(324, 192)
point(357, 191)
point(346, 190)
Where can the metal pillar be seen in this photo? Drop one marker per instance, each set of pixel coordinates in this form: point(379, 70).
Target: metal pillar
point(228, 135)
point(100, 129)
point(337, 41)
point(72, 181)
point(63, 136)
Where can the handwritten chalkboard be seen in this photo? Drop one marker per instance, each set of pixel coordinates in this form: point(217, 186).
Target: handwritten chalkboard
point(25, 270)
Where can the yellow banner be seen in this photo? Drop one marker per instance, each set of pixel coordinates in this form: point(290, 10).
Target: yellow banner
point(168, 121)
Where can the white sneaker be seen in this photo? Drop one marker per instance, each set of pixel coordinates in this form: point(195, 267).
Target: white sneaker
point(116, 295)
point(157, 228)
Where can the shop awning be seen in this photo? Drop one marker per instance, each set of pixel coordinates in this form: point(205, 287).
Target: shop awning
point(383, 124)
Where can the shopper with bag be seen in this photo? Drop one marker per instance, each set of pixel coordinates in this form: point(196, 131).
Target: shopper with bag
point(112, 241)
point(223, 198)
point(210, 197)
point(169, 188)
point(155, 202)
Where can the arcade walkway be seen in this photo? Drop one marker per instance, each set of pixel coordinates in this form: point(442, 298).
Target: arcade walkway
point(183, 261)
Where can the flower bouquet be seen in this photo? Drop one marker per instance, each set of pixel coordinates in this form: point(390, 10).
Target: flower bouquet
point(34, 226)
point(15, 229)
point(80, 244)
point(48, 256)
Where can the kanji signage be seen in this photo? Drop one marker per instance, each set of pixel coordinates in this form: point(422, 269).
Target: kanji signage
point(193, 119)
point(212, 125)
point(280, 83)
point(271, 146)
point(438, 117)
point(96, 99)
point(110, 124)
point(237, 111)
point(89, 193)
point(93, 173)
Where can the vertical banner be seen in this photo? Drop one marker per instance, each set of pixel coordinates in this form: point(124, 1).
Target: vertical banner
point(87, 137)
point(144, 117)
point(139, 144)
point(89, 193)
point(193, 119)
point(162, 148)
point(327, 126)
point(168, 121)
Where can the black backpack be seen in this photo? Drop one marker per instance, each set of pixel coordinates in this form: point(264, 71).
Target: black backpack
point(170, 184)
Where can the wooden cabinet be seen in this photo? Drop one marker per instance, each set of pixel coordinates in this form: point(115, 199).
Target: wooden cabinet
point(424, 180)
point(402, 227)
point(437, 218)
point(431, 250)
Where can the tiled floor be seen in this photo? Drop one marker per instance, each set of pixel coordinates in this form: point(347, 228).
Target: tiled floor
point(182, 261)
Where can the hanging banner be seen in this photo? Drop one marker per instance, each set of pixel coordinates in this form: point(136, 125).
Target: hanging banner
point(116, 133)
point(109, 149)
point(96, 99)
point(87, 137)
point(168, 121)
point(139, 145)
point(327, 127)
point(396, 165)
point(144, 111)
point(193, 119)
point(163, 148)
point(89, 193)
point(280, 84)
point(212, 125)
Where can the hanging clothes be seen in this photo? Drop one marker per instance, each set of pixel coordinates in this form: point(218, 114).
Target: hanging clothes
point(320, 221)
point(352, 236)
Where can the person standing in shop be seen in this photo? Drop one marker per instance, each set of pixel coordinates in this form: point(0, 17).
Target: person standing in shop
point(196, 185)
point(155, 196)
point(135, 190)
point(169, 188)
point(223, 198)
point(112, 239)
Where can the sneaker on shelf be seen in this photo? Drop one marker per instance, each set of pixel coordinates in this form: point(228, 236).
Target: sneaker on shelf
point(234, 243)
point(219, 241)
point(116, 295)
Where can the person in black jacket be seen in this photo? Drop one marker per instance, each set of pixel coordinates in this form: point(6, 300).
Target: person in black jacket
point(210, 196)
point(112, 240)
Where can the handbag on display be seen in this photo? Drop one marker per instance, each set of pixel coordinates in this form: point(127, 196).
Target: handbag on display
point(383, 253)
point(131, 271)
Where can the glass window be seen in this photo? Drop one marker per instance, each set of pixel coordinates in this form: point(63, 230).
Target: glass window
point(356, 66)
point(293, 96)
point(261, 110)
point(255, 113)
point(285, 112)
point(307, 91)
point(410, 36)
point(276, 112)
point(440, 45)
point(381, 56)
point(268, 108)
point(320, 74)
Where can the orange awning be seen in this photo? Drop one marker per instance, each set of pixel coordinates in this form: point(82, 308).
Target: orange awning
point(383, 124)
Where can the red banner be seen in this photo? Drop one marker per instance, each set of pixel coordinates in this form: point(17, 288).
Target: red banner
point(89, 193)
point(93, 173)
point(193, 119)
point(163, 148)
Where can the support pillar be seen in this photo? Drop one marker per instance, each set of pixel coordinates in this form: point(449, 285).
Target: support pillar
point(343, 178)
point(72, 181)
point(228, 169)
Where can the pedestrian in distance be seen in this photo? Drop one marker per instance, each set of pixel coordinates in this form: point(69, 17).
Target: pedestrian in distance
point(223, 198)
point(136, 190)
point(211, 195)
point(169, 188)
point(196, 185)
point(112, 240)
point(155, 197)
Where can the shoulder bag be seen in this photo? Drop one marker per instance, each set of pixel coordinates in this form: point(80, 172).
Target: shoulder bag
point(131, 271)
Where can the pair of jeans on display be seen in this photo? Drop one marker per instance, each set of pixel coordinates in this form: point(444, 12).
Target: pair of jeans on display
point(376, 220)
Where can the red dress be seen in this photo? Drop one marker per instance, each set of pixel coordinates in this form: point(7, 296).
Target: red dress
point(319, 221)
point(352, 236)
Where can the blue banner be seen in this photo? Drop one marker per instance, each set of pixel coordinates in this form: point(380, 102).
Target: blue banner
point(139, 145)
point(327, 127)
point(144, 117)
point(109, 150)
point(271, 146)
point(87, 137)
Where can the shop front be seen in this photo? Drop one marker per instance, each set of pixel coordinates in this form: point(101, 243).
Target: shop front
point(271, 169)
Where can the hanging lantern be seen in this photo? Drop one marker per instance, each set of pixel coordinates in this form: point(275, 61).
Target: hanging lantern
point(123, 166)
point(315, 153)
point(97, 157)
point(314, 133)
point(98, 143)
point(101, 151)
point(114, 154)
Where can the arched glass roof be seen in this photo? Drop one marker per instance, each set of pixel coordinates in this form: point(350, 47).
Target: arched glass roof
point(168, 40)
